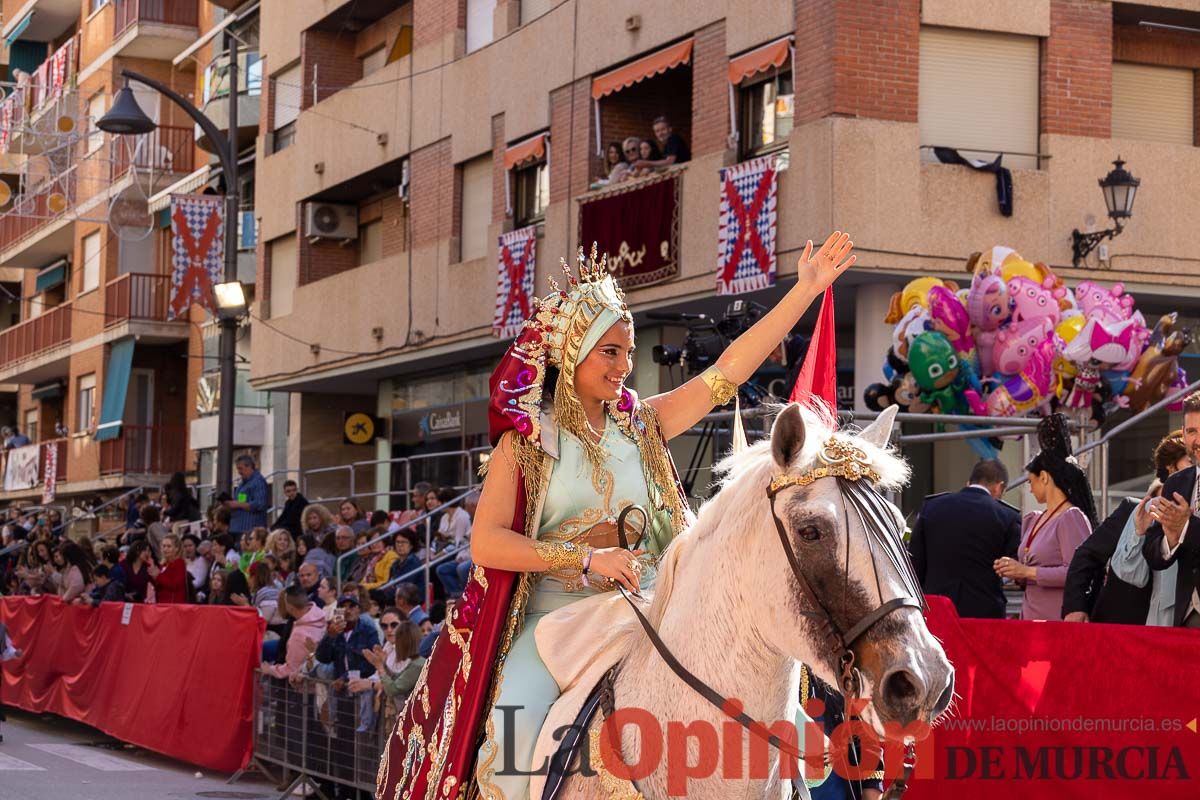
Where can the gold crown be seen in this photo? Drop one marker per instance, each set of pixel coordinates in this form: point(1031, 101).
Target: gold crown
point(561, 319)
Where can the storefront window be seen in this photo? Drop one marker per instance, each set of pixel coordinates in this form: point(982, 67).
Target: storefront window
point(441, 390)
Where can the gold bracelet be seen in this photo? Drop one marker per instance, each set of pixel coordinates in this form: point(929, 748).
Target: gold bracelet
point(723, 390)
point(562, 555)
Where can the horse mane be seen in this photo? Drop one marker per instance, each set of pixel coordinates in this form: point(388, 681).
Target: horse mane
point(742, 481)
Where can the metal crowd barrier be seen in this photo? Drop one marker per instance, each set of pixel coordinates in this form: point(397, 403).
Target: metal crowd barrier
point(318, 736)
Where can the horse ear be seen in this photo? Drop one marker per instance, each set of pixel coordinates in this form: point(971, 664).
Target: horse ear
point(787, 436)
point(879, 432)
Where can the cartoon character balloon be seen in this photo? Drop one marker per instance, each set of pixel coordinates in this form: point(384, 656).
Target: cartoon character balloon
point(941, 374)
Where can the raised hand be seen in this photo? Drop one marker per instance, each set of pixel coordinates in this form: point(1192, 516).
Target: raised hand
point(821, 269)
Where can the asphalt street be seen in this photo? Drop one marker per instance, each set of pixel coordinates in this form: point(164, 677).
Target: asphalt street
point(51, 758)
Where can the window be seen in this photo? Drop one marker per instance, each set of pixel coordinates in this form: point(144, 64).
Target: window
point(532, 193)
point(978, 93)
point(31, 425)
point(370, 242)
point(95, 112)
point(767, 110)
point(91, 262)
point(476, 207)
point(85, 402)
point(96, 5)
point(91, 267)
point(283, 274)
point(479, 23)
point(1153, 104)
point(286, 106)
point(532, 9)
point(374, 61)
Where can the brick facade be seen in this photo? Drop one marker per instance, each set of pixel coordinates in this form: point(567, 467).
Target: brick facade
point(434, 19)
point(1076, 69)
point(631, 111)
point(572, 140)
point(330, 60)
point(857, 58)
point(395, 224)
point(323, 258)
point(499, 212)
point(432, 182)
point(710, 91)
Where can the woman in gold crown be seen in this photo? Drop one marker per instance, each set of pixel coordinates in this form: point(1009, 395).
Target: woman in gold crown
point(573, 447)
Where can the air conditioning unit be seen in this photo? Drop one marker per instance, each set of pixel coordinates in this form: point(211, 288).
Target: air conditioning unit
point(330, 221)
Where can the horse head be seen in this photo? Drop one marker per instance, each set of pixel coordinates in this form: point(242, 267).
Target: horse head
point(847, 591)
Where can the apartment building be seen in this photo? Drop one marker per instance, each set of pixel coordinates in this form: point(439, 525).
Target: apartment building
point(424, 130)
point(115, 393)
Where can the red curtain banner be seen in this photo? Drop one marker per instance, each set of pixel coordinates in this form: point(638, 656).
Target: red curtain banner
point(638, 227)
point(1064, 710)
point(177, 679)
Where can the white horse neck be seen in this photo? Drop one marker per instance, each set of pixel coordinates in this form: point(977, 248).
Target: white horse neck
point(707, 626)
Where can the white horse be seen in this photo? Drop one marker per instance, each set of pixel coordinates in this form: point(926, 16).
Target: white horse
point(730, 609)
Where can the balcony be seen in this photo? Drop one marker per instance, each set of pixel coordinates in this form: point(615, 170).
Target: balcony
point(37, 349)
point(136, 304)
point(26, 473)
point(49, 93)
point(216, 97)
point(154, 29)
point(145, 450)
point(167, 149)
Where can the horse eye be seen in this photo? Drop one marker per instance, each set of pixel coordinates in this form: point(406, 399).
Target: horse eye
point(809, 533)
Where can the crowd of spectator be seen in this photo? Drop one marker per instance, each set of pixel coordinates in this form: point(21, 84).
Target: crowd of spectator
point(343, 593)
point(636, 157)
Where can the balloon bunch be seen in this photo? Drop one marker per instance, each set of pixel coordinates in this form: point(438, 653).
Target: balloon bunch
point(1017, 341)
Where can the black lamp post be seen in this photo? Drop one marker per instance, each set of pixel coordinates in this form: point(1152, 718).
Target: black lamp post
point(1120, 188)
point(126, 117)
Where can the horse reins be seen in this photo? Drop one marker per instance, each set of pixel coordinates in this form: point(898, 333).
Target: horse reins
point(851, 466)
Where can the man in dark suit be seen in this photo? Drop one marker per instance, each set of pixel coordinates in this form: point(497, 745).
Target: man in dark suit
point(1174, 536)
point(1093, 592)
point(959, 535)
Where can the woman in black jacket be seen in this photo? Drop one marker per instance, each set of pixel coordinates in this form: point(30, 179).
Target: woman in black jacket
point(182, 505)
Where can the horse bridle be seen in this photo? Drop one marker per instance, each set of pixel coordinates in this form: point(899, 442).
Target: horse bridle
point(851, 466)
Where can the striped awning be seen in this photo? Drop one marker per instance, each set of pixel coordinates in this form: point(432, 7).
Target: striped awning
point(760, 59)
point(185, 185)
point(645, 67)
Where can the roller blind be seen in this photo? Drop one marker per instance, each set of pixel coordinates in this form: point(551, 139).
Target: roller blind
point(287, 96)
point(476, 206)
point(479, 23)
point(1154, 104)
point(283, 274)
point(979, 94)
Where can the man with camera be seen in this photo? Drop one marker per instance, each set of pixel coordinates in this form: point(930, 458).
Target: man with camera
point(1174, 536)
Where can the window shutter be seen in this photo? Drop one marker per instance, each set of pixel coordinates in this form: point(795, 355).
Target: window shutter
point(287, 94)
point(1153, 104)
point(476, 207)
point(979, 94)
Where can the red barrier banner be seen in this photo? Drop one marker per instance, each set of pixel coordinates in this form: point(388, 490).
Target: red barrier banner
point(1064, 710)
point(175, 679)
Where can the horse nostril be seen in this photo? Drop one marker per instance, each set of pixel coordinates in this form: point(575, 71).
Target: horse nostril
point(902, 689)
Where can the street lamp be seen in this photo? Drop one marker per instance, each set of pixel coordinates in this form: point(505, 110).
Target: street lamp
point(127, 118)
point(230, 300)
point(1119, 188)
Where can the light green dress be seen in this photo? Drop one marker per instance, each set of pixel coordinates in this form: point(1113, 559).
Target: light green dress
point(577, 499)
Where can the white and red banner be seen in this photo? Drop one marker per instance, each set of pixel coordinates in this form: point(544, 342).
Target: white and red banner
point(515, 268)
point(50, 472)
point(198, 250)
point(746, 237)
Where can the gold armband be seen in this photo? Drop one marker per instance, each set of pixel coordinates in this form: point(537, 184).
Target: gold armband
point(562, 555)
point(723, 390)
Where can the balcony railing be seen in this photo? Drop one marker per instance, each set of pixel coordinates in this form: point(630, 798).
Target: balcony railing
point(29, 213)
point(136, 295)
point(163, 12)
point(167, 148)
point(145, 450)
point(60, 462)
point(33, 337)
point(56, 74)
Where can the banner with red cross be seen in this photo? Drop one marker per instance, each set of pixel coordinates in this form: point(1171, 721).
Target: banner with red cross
point(515, 270)
point(198, 251)
point(746, 238)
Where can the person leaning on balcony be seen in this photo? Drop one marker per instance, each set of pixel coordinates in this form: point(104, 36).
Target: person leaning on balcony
point(14, 438)
point(170, 579)
point(251, 500)
point(674, 149)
